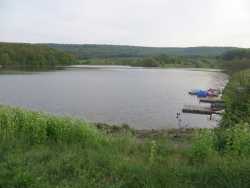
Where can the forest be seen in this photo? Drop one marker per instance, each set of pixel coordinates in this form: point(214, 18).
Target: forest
point(88, 51)
point(161, 61)
point(30, 55)
point(231, 61)
point(16, 55)
point(237, 92)
point(236, 60)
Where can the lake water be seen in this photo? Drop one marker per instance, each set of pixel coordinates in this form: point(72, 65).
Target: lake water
point(142, 98)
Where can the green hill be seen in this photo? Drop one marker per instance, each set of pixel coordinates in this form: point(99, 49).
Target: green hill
point(32, 55)
point(236, 60)
point(108, 51)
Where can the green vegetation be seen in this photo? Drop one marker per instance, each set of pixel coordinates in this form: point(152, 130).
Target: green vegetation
point(237, 91)
point(237, 97)
point(236, 54)
point(20, 55)
point(162, 61)
point(89, 51)
point(236, 60)
point(28, 55)
point(237, 102)
point(195, 57)
point(39, 150)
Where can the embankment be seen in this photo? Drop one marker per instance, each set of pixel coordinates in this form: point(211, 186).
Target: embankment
point(40, 150)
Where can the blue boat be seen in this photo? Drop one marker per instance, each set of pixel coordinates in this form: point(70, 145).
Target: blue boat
point(199, 92)
point(194, 91)
point(202, 93)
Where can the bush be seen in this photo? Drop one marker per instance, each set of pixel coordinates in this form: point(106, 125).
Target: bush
point(203, 145)
point(35, 128)
point(237, 100)
point(238, 139)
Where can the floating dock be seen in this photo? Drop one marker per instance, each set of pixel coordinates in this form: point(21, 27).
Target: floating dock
point(211, 100)
point(194, 109)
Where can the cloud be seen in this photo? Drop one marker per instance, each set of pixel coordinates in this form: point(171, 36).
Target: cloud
point(132, 22)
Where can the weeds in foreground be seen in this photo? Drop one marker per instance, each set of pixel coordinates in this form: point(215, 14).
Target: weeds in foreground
point(39, 150)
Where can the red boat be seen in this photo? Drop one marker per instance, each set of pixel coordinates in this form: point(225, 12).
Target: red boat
point(213, 92)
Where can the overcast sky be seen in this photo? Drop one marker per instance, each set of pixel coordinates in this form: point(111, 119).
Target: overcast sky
point(129, 22)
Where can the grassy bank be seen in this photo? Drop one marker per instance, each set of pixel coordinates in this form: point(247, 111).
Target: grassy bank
point(237, 97)
point(39, 150)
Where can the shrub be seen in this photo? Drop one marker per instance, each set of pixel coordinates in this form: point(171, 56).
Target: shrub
point(238, 139)
point(237, 99)
point(203, 145)
point(35, 128)
point(152, 152)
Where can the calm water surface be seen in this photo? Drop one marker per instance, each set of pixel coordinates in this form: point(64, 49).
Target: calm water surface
point(142, 98)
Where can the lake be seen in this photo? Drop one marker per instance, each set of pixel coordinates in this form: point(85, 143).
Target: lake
point(142, 98)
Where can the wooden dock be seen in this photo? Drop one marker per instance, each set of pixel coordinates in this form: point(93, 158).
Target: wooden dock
point(211, 100)
point(194, 109)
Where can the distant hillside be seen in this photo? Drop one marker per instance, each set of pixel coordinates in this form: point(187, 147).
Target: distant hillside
point(236, 60)
point(241, 53)
point(108, 51)
point(32, 55)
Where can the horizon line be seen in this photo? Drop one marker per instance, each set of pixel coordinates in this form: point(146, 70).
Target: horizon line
point(127, 45)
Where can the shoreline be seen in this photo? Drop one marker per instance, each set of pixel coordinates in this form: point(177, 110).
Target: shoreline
point(141, 134)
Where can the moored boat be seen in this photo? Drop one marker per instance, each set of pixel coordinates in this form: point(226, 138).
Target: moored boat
point(205, 93)
point(194, 91)
point(213, 92)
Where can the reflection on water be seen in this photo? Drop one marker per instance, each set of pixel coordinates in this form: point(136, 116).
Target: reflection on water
point(142, 98)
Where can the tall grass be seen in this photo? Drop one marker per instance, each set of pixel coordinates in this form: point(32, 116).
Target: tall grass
point(42, 151)
point(36, 127)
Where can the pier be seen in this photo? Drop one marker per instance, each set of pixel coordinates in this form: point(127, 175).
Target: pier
point(212, 100)
point(194, 109)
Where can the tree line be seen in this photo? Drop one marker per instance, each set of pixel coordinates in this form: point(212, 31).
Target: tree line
point(237, 91)
point(89, 51)
point(157, 61)
point(236, 60)
point(32, 55)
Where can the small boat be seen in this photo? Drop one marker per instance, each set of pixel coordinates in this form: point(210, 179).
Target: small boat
point(198, 92)
point(205, 93)
point(202, 93)
point(194, 91)
point(213, 92)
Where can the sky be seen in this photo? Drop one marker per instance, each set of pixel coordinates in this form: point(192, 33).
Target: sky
point(158, 23)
